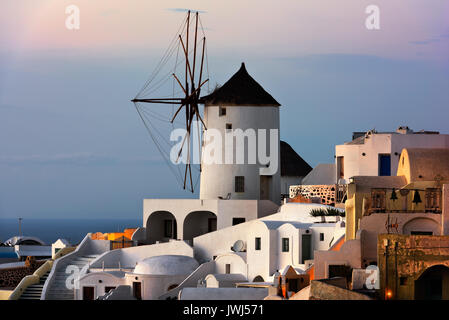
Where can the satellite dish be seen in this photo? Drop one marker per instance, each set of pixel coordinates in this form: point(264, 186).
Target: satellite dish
point(239, 246)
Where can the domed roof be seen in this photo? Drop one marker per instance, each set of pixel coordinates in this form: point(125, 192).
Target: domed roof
point(24, 240)
point(424, 164)
point(166, 265)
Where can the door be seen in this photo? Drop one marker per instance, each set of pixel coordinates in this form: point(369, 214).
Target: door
point(88, 293)
point(384, 165)
point(137, 290)
point(265, 182)
point(306, 247)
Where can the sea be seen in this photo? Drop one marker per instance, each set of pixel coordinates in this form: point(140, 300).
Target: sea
point(74, 230)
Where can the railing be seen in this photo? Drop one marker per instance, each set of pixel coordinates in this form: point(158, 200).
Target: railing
point(191, 281)
point(61, 261)
point(30, 280)
point(38, 274)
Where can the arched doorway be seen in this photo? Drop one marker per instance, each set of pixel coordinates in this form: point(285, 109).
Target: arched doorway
point(421, 226)
point(161, 226)
point(198, 223)
point(258, 279)
point(433, 284)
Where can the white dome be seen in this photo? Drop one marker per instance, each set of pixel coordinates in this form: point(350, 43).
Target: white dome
point(166, 265)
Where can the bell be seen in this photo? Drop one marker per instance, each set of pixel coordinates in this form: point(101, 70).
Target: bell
point(416, 197)
point(393, 195)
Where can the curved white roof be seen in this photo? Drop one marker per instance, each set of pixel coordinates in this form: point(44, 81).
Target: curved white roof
point(19, 239)
point(166, 265)
point(274, 224)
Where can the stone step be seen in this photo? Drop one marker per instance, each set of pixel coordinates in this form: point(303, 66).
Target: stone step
point(31, 294)
point(60, 297)
point(35, 289)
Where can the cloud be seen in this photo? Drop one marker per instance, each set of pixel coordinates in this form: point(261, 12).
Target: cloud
point(185, 10)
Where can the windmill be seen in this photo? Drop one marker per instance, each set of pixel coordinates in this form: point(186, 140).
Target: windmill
point(192, 51)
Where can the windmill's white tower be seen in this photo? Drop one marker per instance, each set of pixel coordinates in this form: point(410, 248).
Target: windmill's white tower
point(241, 103)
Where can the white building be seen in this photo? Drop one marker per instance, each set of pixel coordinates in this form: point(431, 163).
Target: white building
point(288, 237)
point(150, 278)
point(377, 153)
point(58, 245)
point(163, 270)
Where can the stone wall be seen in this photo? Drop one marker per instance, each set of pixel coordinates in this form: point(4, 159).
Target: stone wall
point(328, 194)
point(404, 259)
point(10, 277)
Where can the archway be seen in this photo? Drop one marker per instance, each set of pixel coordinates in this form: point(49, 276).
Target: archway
point(418, 226)
point(258, 279)
point(161, 226)
point(433, 284)
point(198, 223)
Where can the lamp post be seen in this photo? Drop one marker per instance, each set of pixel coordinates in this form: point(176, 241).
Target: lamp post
point(20, 226)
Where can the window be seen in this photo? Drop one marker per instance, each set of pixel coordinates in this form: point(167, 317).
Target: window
point(212, 224)
point(236, 221)
point(239, 184)
point(321, 236)
point(258, 243)
point(221, 111)
point(228, 268)
point(228, 126)
point(285, 245)
point(168, 228)
point(341, 167)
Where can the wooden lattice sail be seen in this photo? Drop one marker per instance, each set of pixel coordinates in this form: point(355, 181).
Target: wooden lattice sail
point(191, 50)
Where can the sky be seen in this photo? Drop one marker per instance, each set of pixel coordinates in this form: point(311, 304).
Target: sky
point(71, 142)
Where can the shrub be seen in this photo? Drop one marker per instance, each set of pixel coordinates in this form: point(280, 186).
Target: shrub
point(318, 212)
point(328, 212)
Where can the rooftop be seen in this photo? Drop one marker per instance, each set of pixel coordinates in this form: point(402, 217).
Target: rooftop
point(292, 164)
point(240, 90)
point(360, 136)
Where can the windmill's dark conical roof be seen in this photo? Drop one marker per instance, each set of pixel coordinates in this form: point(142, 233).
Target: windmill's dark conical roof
point(240, 90)
point(291, 163)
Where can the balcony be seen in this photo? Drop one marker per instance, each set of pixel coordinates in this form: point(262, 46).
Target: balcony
point(404, 201)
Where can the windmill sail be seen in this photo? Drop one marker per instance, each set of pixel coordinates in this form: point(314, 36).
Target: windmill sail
point(170, 99)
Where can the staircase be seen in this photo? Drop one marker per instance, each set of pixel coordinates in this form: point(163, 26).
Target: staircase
point(58, 289)
point(34, 291)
